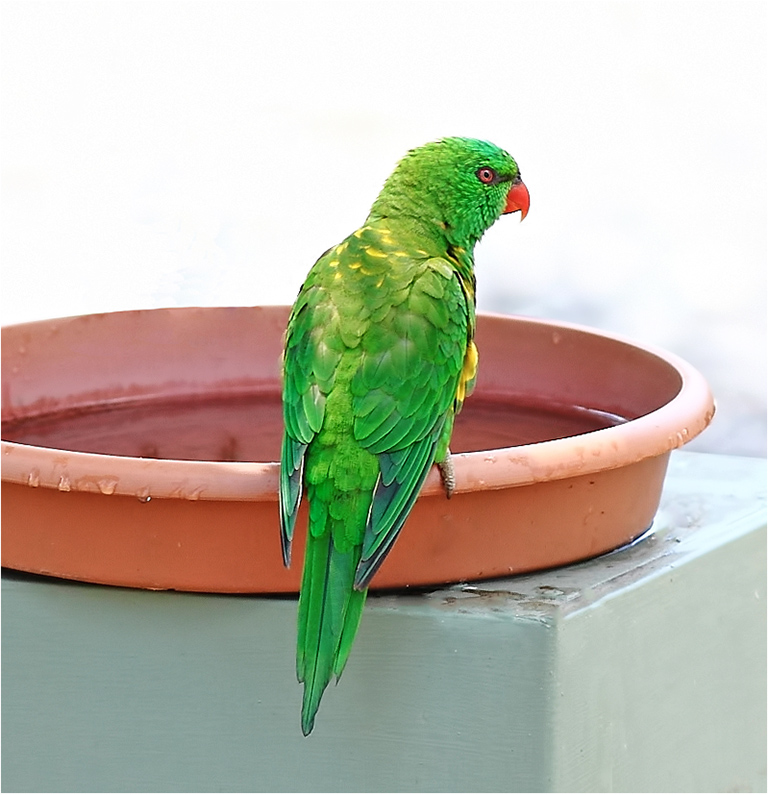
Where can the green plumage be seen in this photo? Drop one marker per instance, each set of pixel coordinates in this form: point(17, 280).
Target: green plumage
point(377, 361)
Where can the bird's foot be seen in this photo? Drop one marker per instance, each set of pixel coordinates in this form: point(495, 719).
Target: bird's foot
point(447, 474)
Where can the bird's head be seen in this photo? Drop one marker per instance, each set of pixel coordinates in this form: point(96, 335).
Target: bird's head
point(462, 185)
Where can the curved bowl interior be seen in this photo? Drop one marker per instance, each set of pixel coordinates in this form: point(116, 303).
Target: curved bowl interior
point(139, 449)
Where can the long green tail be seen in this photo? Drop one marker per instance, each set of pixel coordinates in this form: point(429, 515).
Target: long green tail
point(330, 610)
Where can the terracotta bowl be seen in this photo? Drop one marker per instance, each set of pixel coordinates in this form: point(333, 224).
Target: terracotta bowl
point(139, 450)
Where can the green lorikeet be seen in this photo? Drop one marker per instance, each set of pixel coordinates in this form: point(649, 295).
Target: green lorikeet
point(379, 356)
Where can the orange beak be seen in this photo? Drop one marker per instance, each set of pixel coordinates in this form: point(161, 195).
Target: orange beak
point(517, 199)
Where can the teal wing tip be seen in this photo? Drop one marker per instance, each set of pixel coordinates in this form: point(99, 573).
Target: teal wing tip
point(287, 522)
point(290, 491)
point(285, 548)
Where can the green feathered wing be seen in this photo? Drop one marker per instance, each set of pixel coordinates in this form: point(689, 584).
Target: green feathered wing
point(378, 358)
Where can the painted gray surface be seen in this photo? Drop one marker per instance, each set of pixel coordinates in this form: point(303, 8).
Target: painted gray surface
point(642, 670)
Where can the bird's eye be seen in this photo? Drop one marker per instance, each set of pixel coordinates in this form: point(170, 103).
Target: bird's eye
point(486, 175)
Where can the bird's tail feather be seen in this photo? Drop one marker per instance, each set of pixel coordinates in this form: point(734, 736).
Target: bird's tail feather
point(329, 614)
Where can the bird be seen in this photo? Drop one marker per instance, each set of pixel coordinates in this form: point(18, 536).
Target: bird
point(378, 359)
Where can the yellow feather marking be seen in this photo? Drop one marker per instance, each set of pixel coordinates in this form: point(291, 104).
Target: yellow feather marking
point(375, 252)
point(354, 266)
point(469, 373)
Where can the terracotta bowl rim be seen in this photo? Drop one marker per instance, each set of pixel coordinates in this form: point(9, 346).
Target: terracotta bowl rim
point(668, 427)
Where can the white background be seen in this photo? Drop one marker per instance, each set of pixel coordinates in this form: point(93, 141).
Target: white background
point(205, 153)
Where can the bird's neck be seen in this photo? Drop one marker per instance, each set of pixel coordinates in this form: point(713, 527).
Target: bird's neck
point(419, 223)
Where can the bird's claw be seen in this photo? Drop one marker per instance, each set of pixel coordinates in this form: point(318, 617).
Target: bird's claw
point(446, 468)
